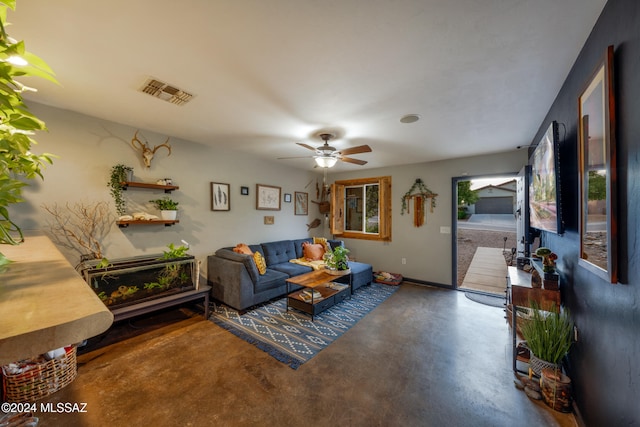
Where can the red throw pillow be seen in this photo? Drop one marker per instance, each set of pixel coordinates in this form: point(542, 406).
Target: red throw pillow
point(312, 252)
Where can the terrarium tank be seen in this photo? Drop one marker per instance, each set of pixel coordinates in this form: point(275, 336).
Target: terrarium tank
point(133, 280)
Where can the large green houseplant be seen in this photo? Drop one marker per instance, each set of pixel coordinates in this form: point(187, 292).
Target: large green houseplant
point(549, 337)
point(17, 124)
point(337, 260)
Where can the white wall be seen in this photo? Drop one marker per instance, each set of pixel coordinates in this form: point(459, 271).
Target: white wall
point(88, 147)
point(427, 249)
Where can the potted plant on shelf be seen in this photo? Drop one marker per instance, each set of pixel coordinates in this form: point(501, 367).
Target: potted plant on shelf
point(550, 276)
point(337, 261)
point(549, 338)
point(119, 174)
point(168, 208)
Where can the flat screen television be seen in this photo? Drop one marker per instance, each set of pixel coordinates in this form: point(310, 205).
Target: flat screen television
point(545, 213)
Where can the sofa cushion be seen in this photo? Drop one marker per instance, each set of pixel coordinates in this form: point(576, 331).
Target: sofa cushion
point(361, 274)
point(270, 280)
point(312, 252)
point(242, 248)
point(335, 243)
point(247, 260)
point(260, 264)
point(291, 269)
point(297, 244)
point(358, 267)
point(324, 242)
point(278, 252)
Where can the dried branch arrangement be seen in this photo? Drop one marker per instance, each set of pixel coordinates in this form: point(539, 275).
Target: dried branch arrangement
point(81, 226)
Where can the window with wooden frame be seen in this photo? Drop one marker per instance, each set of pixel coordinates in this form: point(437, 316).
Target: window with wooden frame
point(361, 208)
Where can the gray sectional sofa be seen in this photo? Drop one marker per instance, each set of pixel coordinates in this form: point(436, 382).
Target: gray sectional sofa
point(235, 280)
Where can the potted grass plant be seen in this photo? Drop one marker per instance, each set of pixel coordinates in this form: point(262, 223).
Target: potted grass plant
point(549, 338)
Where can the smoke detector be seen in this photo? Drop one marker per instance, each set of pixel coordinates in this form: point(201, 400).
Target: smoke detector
point(166, 92)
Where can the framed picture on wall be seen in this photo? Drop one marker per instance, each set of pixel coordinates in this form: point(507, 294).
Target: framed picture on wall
point(598, 192)
point(268, 197)
point(287, 198)
point(302, 203)
point(220, 197)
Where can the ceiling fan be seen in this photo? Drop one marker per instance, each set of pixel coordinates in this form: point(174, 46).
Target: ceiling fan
point(326, 156)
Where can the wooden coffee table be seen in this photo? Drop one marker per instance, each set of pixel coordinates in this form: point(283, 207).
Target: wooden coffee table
point(329, 291)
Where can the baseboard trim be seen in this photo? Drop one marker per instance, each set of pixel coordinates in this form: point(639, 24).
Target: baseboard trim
point(426, 283)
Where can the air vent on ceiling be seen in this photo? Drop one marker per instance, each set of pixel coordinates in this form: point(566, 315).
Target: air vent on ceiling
point(166, 92)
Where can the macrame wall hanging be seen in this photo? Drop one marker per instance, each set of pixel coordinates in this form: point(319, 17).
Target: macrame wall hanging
point(419, 193)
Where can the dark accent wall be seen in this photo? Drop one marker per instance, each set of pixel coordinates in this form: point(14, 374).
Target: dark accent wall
point(605, 362)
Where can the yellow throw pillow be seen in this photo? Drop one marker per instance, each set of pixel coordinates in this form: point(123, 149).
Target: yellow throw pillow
point(323, 242)
point(259, 260)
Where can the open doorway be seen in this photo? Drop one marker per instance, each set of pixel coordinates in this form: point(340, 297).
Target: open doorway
point(484, 232)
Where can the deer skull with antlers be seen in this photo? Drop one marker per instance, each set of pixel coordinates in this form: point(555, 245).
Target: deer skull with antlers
point(147, 153)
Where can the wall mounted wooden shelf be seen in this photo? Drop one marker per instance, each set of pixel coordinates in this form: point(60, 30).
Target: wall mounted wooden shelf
point(124, 224)
point(165, 188)
point(148, 186)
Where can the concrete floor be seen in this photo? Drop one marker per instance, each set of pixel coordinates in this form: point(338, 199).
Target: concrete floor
point(424, 357)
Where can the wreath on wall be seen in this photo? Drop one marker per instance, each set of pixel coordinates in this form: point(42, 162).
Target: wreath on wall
point(419, 193)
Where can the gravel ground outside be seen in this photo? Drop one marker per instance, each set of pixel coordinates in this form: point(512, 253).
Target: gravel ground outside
point(469, 240)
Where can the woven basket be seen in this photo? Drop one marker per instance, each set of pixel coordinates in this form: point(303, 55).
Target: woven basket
point(40, 377)
point(520, 319)
point(537, 365)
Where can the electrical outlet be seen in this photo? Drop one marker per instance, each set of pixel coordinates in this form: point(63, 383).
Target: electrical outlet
point(404, 261)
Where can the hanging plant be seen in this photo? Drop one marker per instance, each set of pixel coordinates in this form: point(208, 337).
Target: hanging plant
point(119, 174)
point(17, 162)
point(419, 193)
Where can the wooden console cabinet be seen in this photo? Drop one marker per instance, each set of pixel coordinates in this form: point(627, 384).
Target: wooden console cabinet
point(521, 294)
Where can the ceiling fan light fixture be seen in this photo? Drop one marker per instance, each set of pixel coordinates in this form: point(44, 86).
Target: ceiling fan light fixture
point(326, 161)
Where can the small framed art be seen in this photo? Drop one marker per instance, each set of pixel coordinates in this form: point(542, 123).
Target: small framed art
point(302, 203)
point(220, 197)
point(287, 198)
point(268, 197)
point(244, 191)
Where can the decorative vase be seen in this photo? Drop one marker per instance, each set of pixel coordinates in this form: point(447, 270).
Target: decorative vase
point(536, 280)
point(556, 390)
point(169, 215)
point(537, 365)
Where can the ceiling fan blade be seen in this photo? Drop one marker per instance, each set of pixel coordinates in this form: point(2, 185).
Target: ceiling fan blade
point(296, 157)
point(352, 160)
point(308, 147)
point(356, 150)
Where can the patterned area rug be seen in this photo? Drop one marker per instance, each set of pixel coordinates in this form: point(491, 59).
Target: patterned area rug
point(291, 336)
